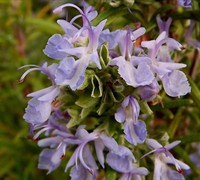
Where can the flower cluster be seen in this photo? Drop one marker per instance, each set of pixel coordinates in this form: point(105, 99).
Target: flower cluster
point(97, 84)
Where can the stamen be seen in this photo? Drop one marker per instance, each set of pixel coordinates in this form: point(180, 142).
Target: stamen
point(35, 139)
point(20, 80)
point(182, 48)
point(56, 103)
point(180, 171)
point(60, 8)
point(62, 157)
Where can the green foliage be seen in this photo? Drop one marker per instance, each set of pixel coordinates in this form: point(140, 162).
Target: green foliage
point(25, 27)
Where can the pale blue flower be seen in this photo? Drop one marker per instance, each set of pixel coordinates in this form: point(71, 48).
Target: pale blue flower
point(44, 69)
point(128, 113)
point(164, 51)
point(85, 157)
point(78, 49)
point(185, 3)
point(149, 92)
point(50, 125)
point(134, 75)
point(37, 111)
point(55, 45)
point(81, 43)
point(167, 71)
point(103, 142)
point(51, 158)
point(39, 107)
point(82, 158)
point(164, 157)
point(87, 36)
point(164, 172)
point(176, 84)
point(86, 42)
point(121, 160)
point(154, 46)
point(79, 172)
point(71, 72)
point(83, 152)
point(136, 174)
point(111, 38)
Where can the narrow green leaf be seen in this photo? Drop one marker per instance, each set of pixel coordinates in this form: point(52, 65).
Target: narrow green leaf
point(145, 108)
point(97, 87)
point(85, 112)
point(86, 101)
point(74, 122)
point(88, 75)
point(103, 104)
point(173, 103)
point(191, 138)
point(115, 96)
point(175, 123)
point(104, 56)
point(110, 14)
point(75, 118)
point(47, 26)
point(195, 93)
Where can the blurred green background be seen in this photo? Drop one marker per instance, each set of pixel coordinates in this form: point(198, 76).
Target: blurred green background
point(26, 25)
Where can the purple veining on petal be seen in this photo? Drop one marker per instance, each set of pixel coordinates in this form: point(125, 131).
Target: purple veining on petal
point(185, 3)
point(140, 130)
point(163, 25)
point(128, 113)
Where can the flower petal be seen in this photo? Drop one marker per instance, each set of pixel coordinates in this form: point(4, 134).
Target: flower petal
point(99, 147)
point(78, 172)
point(120, 115)
point(51, 141)
point(140, 130)
point(176, 84)
point(54, 45)
point(171, 174)
point(45, 160)
point(109, 142)
point(120, 160)
point(176, 162)
point(153, 143)
point(172, 145)
point(135, 133)
point(137, 33)
point(71, 72)
point(37, 111)
point(68, 28)
point(158, 169)
point(140, 171)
